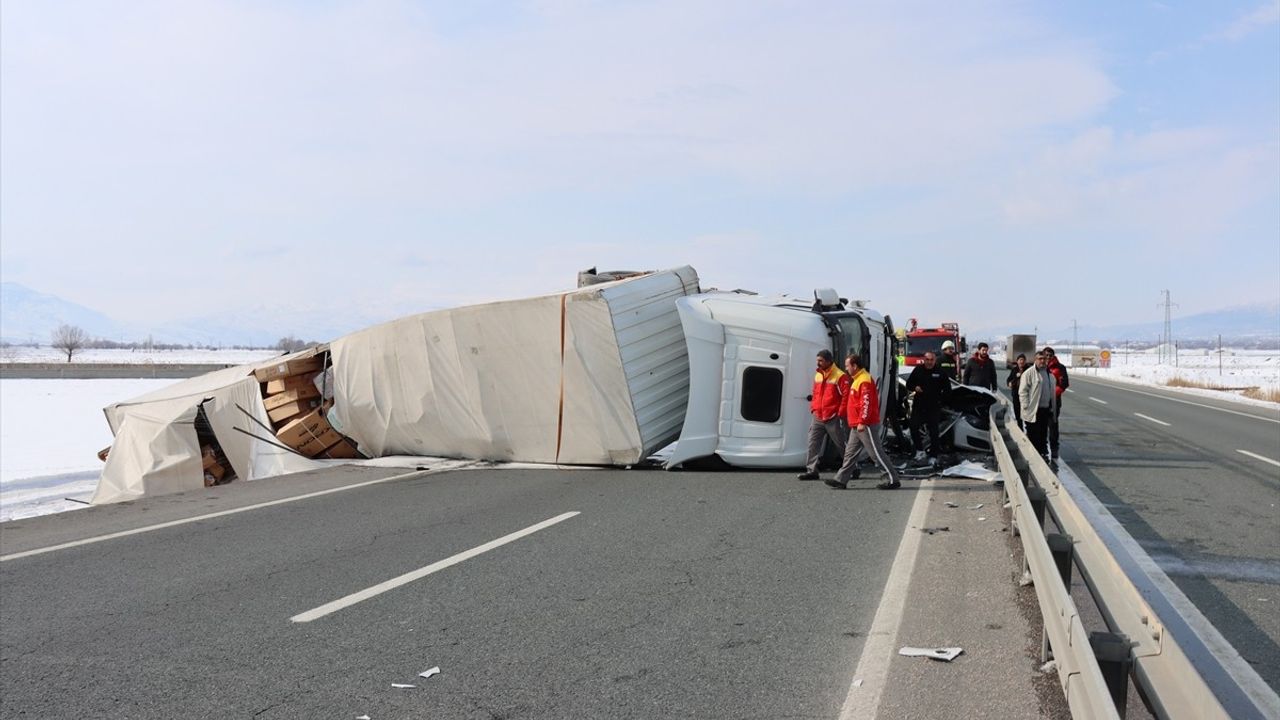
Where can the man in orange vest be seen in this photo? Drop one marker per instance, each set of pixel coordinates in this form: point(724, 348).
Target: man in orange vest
point(862, 411)
point(830, 388)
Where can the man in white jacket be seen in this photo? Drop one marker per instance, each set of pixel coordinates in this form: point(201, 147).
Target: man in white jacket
point(1036, 397)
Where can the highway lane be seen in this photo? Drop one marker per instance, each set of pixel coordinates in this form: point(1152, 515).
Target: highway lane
point(669, 595)
point(1170, 468)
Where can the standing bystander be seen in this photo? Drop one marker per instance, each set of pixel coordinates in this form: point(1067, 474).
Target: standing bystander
point(981, 370)
point(1061, 383)
point(1015, 372)
point(1035, 393)
point(929, 386)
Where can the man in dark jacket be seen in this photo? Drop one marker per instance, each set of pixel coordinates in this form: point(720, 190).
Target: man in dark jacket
point(981, 370)
point(1059, 373)
point(1015, 374)
point(929, 387)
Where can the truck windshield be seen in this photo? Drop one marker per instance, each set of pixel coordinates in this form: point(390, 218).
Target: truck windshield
point(852, 338)
point(918, 346)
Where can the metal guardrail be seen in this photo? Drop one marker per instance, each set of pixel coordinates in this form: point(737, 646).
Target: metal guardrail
point(1182, 665)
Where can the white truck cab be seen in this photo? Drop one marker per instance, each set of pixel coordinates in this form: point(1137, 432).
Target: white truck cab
point(751, 370)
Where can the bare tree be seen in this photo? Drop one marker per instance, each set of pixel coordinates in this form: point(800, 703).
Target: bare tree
point(69, 339)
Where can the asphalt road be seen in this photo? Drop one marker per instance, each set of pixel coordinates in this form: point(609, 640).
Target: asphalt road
point(1196, 481)
point(698, 595)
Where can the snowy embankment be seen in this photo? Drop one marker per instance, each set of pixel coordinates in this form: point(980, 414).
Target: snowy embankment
point(51, 430)
point(16, 354)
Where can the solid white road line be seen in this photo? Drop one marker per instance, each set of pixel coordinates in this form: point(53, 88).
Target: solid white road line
point(1118, 386)
point(1103, 402)
point(198, 518)
point(1148, 417)
point(420, 573)
point(863, 699)
point(1259, 457)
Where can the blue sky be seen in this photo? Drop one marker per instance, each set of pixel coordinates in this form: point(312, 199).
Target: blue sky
point(1000, 163)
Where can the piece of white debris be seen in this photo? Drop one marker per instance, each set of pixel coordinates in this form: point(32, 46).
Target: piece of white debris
point(402, 685)
point(857, 683)
point(981, 519)
point(976, 507)
point(972, 470)
point(429, 673)
point(946, 654)
point(362, 717)
point(1026, 579)
point(1008, 505)
point(1051, 666)
point(951, 504)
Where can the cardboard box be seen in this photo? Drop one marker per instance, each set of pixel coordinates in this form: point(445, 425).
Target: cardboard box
point(285, 412)
point(209, 456)
point(311, 425)
point(298, 394)
point(285, 384)
point(343, 449)
point(315, 445)
point(213, 475)
point(309, 362)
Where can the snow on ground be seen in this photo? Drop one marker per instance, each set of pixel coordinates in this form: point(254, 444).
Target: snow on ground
point(51, 430)
point(16, 354)
point(50, 435)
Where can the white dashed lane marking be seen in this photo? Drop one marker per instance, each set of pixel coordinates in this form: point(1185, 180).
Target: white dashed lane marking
point(1148, 417)
point(1103, 402)
point(395, 582)
point(1256, 456)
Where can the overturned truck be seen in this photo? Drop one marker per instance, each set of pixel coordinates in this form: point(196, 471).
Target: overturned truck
point(606, 374)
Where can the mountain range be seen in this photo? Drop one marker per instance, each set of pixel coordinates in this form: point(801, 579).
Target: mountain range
point(28, 316)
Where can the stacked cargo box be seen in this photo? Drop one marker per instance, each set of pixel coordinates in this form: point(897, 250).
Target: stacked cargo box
point(297, 393)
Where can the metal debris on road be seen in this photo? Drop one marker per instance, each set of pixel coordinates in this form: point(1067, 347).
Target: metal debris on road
point(932, 530)
point(951, 504)
point(973, 470)
point(402, 685)
point(429, 673)
point(946, 654)
point(976, 507)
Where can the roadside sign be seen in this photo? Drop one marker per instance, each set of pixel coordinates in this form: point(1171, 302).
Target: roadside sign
point(1104, 359)
point(1085, 359)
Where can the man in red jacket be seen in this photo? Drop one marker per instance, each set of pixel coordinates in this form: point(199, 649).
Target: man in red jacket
point(862, 410)
point(830, 388)
point(1061, 383)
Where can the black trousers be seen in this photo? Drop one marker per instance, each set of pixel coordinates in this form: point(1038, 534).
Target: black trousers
point(929, 417)
point(1054, 446)
point(1038, 430)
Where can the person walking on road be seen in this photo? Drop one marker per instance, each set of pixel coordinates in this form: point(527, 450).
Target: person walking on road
point(929, 386)
point(862, 412)
point(830, 388)
point(1061, 383)
point(1035, 393)
point(1015, 372)
point(981, 370)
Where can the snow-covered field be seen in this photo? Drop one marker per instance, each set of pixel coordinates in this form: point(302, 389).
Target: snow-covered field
point(17, 354)
point(51, 430)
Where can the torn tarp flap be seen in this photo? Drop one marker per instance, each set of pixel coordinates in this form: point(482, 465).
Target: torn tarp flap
point(946, 654)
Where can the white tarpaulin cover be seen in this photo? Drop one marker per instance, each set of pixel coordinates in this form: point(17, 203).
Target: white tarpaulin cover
point(155, 450)
point(597, 375)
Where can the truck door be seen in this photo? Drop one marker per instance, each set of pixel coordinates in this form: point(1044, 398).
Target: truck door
point(759, 367)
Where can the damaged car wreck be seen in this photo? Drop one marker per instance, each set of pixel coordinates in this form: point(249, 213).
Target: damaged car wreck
point(607, 374)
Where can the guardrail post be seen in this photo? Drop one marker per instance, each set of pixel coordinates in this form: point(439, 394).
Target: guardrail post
point(1112, 652)
point(1038, 501)
point(1063, 549)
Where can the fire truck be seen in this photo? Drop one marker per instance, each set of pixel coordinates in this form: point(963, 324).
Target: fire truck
point(919, 340)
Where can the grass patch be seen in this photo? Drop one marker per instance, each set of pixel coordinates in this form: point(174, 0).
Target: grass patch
point(1268, 394)
point(1179, 381)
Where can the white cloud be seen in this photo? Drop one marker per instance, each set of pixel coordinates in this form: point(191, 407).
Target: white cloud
point(1259, 18)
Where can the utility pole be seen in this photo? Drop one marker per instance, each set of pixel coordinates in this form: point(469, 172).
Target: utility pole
point(1075, 333)
point(1166, 342)
point(1219, 354)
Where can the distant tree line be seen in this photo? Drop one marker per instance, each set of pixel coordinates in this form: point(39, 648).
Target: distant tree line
point(71, 339)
